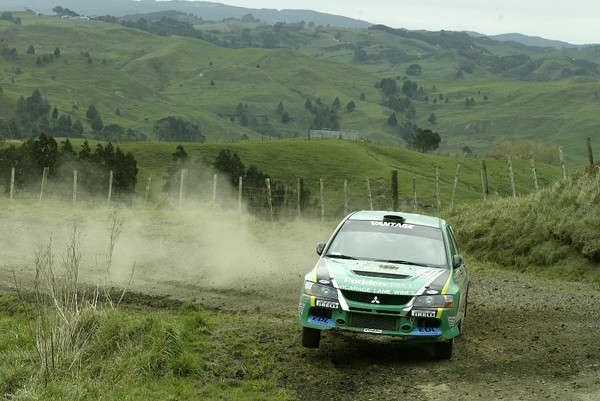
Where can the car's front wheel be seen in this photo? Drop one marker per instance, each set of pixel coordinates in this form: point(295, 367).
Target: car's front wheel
point(443, 349)
point(311, 337)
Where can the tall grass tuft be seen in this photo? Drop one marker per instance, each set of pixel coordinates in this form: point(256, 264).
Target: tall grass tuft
point(64, 320)
point(556, 227)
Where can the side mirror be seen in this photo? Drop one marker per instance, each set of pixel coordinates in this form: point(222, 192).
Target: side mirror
point(457, 261)
point(320, 247)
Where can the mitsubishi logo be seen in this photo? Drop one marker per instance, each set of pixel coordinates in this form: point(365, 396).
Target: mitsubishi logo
point(375, 300)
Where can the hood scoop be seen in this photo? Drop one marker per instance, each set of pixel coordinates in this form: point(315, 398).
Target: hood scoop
point(380, 274)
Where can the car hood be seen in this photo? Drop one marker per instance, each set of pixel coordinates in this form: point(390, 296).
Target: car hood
point(383, 277)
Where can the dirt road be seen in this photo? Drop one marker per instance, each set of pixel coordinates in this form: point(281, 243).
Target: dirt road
point(526, 338)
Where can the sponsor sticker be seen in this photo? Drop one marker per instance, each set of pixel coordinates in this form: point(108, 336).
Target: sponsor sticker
point(392, 224)
point(327, 304)
point(373, 331)
point(423, 313)
point(426, 331)
point(321, 321)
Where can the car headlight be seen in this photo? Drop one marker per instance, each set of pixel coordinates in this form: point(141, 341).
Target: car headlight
point(434, 301)
point(320, 290)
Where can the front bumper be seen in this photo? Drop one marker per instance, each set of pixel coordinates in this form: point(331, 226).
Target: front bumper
point(422, 325)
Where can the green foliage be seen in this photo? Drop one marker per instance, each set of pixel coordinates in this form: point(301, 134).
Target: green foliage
point(176, 129)
point(424, 140)
point(30, 159)
point(230, 164)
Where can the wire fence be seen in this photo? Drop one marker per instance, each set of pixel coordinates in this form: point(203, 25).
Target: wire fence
point(274, 200)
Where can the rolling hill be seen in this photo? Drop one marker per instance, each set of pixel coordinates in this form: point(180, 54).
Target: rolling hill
point(134, 78)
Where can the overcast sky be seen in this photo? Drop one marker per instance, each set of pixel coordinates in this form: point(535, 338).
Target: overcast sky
point(575, 21)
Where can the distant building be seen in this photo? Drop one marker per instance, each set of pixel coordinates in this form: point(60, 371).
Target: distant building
point(328, 134)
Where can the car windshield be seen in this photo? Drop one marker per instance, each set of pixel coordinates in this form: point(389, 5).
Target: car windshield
point(390, 242)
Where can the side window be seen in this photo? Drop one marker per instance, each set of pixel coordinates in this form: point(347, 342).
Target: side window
point(453, 245)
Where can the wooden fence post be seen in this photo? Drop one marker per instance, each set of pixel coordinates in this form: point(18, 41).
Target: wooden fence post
point(512, 177)
point(74, 186)
point(395, 190)
point(345, 196)
point(455, 185)
point(484, 179)
point(147, 189)
point(12, 183)
point(534, 173)
point(322, 200)
point(269, 199)
point(562, 161)
point(414, 183)
point(181, 180)
point(240, 186)
point(300, 196)
point(368, 183)
point(44, 181)
point(214, 194)
point(110, 183)
point(437, 188)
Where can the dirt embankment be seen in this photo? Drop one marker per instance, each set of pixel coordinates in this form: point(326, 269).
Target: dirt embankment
point(526, 338)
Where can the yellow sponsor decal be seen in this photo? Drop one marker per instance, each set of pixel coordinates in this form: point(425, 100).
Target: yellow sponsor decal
point(445, 288)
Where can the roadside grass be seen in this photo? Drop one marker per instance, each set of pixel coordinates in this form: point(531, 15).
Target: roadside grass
point(553, 232)
point(167, 354)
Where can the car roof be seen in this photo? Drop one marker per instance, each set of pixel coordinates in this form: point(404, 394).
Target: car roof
point(408, 218)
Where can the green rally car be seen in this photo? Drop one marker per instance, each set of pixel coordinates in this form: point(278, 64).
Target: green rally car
point(387, 273)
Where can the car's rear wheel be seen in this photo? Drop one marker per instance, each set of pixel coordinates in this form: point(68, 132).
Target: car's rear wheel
point(443, 349)
point(311, 337)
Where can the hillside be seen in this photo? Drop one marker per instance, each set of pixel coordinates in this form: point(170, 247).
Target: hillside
point(135, 78)
point(334, 161)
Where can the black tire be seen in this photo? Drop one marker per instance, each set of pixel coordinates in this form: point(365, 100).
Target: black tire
point(443, 349)
point(311, 337)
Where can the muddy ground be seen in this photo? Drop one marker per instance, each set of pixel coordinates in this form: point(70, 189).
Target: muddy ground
point(526, 338)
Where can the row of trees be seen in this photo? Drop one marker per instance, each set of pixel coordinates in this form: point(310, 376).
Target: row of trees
point(93, 166)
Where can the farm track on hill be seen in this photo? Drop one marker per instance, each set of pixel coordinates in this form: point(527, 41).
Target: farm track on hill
point(526, 338)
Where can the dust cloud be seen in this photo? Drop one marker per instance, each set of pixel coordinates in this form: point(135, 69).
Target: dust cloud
point(181, 252)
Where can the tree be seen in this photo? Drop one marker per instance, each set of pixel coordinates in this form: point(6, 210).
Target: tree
point(350, 106)
point(308, 104)
point(229, 163)
point(36, 105)
point(336, 103)
point(410, 88)
point(30, 50)
point(56, 52)
point(424, 140)
point(414, 69)
point(280, 108)
point(91, 112)
point(392, 120)
point(431, 118)
point(285, 117)
point(389, 87)
point(176, 129)
point(97, 124)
